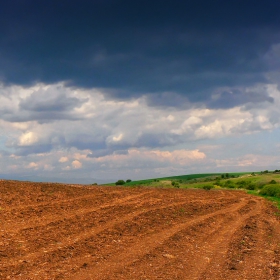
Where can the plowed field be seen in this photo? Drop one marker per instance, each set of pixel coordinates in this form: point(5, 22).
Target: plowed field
point(55, 231)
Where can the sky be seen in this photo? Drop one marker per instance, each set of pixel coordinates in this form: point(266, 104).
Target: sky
point(101, 90)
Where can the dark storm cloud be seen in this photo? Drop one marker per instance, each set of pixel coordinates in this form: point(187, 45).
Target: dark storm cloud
point(136, 47)
point(106, 152)
point(45, 105)
point(39, 102)
point(44, 117)
point(83, 142)
point(158, 140)
point(236, 97)
point(34, 149)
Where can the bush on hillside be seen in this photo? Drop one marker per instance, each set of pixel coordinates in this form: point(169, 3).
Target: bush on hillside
point(242, 184)
point(250, 187)
point(272, 182)
point(207, 187)
point(128, 180)
point(175, 184)
point(260, 185)
point(218, 182)
point(271, 190)
point(120, 182)
point(229, 184)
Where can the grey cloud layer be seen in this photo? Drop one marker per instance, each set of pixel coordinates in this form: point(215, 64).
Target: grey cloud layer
point(55, 116)
point(105, 136)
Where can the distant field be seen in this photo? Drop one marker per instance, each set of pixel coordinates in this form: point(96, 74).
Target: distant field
point(180, 177)
point(258, 183)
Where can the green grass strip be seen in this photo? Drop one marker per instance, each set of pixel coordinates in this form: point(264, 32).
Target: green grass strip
point(275, 200)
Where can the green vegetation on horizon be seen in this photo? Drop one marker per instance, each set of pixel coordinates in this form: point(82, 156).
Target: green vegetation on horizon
point(265, 183)
point(190, 178)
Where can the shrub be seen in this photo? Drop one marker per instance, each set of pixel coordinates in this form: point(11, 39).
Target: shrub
point(272, 182)
point(175, 184)
point(218, 182)
point(242, 184)
point(271, 190)
point(250, 187)
point(260, 185)
point(229, 184)
point(94, 184)
point(128, 180)
point(207, 187)
point(120, 182)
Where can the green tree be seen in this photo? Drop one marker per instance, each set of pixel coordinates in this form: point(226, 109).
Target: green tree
point(120, 182)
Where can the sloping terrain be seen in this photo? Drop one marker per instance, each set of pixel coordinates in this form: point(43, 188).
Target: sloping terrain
point(55, 231)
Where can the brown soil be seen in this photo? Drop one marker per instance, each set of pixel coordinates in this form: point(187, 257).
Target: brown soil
point(55, 231)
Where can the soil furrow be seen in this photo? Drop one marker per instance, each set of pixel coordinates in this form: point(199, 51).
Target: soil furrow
point(82, 240)
point(146, 246)
point(219, 246)
point(44, 216)
point(147, 212)
point(255, 243)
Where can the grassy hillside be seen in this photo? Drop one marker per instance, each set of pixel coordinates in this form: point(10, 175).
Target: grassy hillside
point(185, 179)
point(265, 183)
